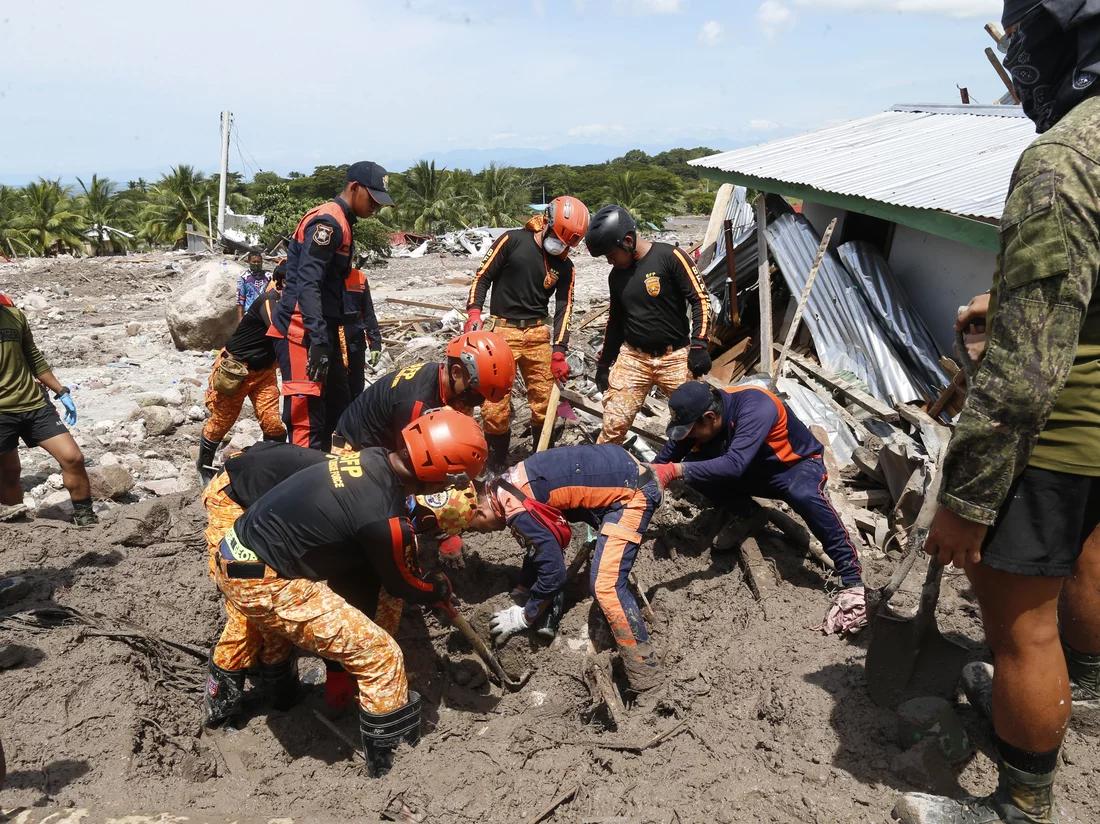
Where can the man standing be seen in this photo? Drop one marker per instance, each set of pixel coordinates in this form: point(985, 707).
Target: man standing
point(744, 441)
point(327, 522)
point(647, 341)
point(525, 267)
point(251, 284)
point(26, 412)
point(361, 332)
point(1020, 501)
point(245, 368)
point(313, 307)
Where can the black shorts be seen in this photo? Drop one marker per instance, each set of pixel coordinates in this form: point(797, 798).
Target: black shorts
point(1043, 525)
point(33, 427)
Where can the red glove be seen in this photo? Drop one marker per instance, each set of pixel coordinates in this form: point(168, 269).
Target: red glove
point(5, 300)
point(340, 689)
point(473, 320)
point(559, 366)
point(667, 473)
point(450, 551)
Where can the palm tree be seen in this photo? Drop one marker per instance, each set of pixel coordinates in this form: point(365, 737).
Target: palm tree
point(627, 191)
point(101, 209)
point(49, 220)
point(12, 238)
point(427, 198)
point(499, 197)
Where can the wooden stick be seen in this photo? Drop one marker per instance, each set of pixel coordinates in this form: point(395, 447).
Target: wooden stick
point(731, 274)
point(546, 811)
point(996, 32)
point(803, 299)
point(339, 733)
point(1001, 73)
point(592, 317)
point(764, 276)
point(551, 417)
point(424, 305)
point(853, 393)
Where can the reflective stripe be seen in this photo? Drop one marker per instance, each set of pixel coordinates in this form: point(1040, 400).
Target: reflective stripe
point(618, 531)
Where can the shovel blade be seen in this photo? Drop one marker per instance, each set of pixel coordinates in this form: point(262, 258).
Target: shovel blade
point(908, 658)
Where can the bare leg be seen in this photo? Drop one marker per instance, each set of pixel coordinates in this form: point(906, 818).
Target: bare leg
point(64, 450)
point(11, 491)
point(1079, 607)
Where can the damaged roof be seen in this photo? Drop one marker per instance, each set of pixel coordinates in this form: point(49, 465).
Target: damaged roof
point(955, 160)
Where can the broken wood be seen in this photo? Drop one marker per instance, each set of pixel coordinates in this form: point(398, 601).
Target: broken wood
point(548, 810)
point(717, 214)
point(757, 571)
point(731, 273)
point(1001, 73)
point(640, 426)
point(597, 678)
point(867, 497)
point(764, 277)
point(846, 388)
point(629, 747)
point(593, 316)
point(356, 751)
point(956, 387)
point(803, 299)
point(425, 305)
point(551, 417)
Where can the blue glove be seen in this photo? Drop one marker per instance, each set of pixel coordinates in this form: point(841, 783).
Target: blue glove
point(70, 408)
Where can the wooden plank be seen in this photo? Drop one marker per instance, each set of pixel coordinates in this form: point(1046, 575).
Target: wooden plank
point(803, 299)
point(823, 392)
point(867, 497)
point(731, 273)
point(765, 286)
point(853, 393)
point(718, 214)
point(651, 430)
point(442, 307)
point(593, 316)
point(1001, 73)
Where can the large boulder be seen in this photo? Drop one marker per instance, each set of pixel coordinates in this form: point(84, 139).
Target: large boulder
point(203, 310)
point(158, 420)
point(109, 481)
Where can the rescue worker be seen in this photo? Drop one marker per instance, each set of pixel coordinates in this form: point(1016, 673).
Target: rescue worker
point(523, 268)
point(26, 412)
point(308, 319)
point(251, 284)
point(249, 351)
point(647, 341)
point(604, 487)
point(1020, 499)
point(362, 338)
point(744, 441)
point(333, 521)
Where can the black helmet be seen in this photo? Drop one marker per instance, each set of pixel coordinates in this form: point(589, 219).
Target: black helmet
point(608, 228)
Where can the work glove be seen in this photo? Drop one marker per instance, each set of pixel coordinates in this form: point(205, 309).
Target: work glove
point(507, 623)
point(698, 359)
point(374, 356)
point(559, 366)
point(848, 613)
point(603, 376)
point(473, 320)
point(70, 407)
point(667, 473)
point(450, 552)
point(317, 362)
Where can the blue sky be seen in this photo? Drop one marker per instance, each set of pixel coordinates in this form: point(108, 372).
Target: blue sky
point(131, 87)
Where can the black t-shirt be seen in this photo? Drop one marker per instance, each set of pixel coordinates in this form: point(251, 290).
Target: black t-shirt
point(523, 278)
point(260, 468)
point(250, 342)
point(388, 405)
point(649, 304)
point(324, 521)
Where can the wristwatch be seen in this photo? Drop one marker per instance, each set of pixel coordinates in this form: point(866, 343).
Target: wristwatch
point(64, 391)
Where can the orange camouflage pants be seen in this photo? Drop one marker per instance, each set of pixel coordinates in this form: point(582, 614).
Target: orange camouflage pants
point(221, 513)
point(531, 348)
point(280, 612)
point(632, 376)
point(261, 387)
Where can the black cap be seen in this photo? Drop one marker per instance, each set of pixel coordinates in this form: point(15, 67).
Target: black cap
point(369, 174)
point(687, 405)
point(1017, 10)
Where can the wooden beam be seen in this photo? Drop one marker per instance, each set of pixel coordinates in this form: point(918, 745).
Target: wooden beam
point(640, 426)
point(731, 274)
point(764, 276)
point(1001, 73)
point(717, 214)
point(846, 388)
point(424, 305)
point(803, 299)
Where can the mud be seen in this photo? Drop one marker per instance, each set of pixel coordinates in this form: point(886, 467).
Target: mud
point(100, 714)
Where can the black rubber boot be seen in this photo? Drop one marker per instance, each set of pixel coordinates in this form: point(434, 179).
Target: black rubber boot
point(383, 733)
point(205, 462)
point(498, 451)
point(83, 514)
point(279, 683)
point(1020, 798)
point(224, 695)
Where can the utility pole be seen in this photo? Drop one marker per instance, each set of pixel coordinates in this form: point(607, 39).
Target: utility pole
point(227, 121)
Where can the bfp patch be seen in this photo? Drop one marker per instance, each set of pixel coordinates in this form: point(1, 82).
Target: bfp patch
point(653, 284)
point(322, 235)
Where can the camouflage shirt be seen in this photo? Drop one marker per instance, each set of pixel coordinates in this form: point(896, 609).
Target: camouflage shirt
point(1035, 399)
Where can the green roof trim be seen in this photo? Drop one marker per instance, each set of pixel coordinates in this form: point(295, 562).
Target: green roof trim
point(966, 230)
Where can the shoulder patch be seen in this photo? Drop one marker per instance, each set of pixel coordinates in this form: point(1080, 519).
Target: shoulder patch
point(322, 234)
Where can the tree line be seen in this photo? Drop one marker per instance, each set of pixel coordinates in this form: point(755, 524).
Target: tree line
point(47, 217)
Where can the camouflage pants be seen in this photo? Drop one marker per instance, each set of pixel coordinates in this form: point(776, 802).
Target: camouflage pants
point(221, 513)
point(261, 387)
point(269, 615)
point(632, 376)
point(531, 348)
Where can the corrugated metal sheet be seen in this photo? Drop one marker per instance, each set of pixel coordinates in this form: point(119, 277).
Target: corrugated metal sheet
point(956, 159)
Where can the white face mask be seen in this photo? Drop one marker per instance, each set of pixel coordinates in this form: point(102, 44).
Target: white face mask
point(552, 245)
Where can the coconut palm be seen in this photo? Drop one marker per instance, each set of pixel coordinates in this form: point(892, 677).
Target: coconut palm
point(102, 211)
point(13, 240)
point(627, 191)
point(426, 197)
point(499, 197)
point(177, 199)
point(49, 219)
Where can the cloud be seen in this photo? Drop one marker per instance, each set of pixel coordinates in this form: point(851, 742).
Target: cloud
point(950, 8)
point(711, 33)
point(774, 16)
point(762, 125)
point(589, 130)
point(648, 6)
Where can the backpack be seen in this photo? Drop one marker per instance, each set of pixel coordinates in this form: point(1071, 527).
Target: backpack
point(549, 516)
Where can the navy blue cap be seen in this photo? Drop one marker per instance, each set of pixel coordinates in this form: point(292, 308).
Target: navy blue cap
point(686, 406)
point(369, 174)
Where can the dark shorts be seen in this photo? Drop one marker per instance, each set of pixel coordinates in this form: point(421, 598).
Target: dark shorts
point(33, 427)
point(1044, 523)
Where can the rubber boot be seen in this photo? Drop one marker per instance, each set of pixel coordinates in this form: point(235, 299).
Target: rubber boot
point(548, 627)
point(1084, 685)
point(279, 683)
point(224, 695)
point(83, 514)
point(205, 462)
point(383, 733)
point(640, 665)
point(1020, 798)
point(498, 451)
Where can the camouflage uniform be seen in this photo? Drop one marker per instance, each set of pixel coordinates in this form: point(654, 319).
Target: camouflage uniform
point(1035, 400)
point(260, 386)
point(632, 376)
point(531, 348)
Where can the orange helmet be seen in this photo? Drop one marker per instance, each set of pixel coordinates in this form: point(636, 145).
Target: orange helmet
point(452, 510)
point(445, 445)
point(567, 218)
point(489, 363)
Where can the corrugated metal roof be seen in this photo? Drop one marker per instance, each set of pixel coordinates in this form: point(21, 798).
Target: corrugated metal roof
point(955, 159)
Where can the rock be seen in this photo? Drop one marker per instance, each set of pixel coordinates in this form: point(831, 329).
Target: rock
point(55, 481)
point(55, 506)
point(150, 399)
point(196, 412)
point(158, 470)
point(158, 419)
point(102, 427)
point(933, 718)
point(110, 481)
point(924, 767)
point(203, 311)
point(141, 524)
point(133, 328)
point(34, 301)
point(109, 459)
point(167, 486)
point(173, 397)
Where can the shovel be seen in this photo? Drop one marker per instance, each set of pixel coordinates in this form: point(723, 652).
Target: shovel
point(483, 651)
point(908, 656)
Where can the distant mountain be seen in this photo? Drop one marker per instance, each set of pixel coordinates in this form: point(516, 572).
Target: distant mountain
point(574, 154)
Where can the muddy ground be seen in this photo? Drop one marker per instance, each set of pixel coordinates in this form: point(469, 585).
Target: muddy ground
point(102, 713)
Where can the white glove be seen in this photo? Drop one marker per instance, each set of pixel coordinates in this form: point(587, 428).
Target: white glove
point(507, 623)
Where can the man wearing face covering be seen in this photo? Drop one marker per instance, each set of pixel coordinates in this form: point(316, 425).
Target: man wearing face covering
point(1020, 501)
